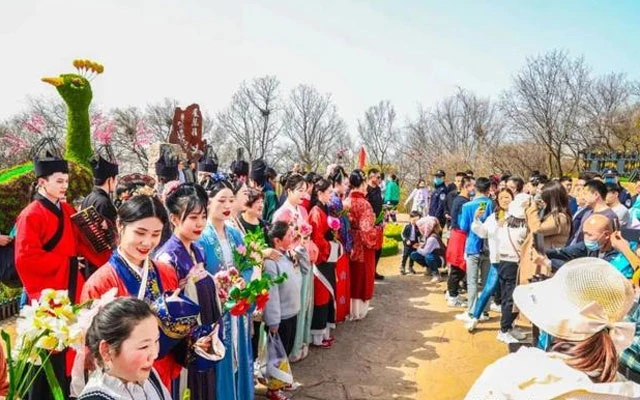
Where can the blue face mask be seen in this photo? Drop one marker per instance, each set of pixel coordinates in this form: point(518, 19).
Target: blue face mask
point(438, 181)
point(472, 193)
point(592, 245)
point(609, 180)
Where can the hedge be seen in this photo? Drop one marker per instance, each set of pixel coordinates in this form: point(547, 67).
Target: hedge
point(389, 247)
point(394, 231)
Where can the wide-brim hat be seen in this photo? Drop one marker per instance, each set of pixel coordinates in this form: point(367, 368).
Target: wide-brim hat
point(584, 297)
point(209, 161)
point(259, 171)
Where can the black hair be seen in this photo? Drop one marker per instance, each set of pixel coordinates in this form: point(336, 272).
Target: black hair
point(483, 184)
point(565, 178)
point(595, 186)
point(338, 175)
point(587, 176)
point(101, 181)
point(284, 177)
point(556, 200)
point(253, 195)
point(519, 182)
point(186, 199)
point(465, 180)
point(278, 230)
point(140, 207)
point(311, 178)
point(420, 181)
point(415, 214)
point(452, 187)
point(394, 177)
point(321, 185)
point(237, 185)
point(357, 178)
point(469, 173)
point(461, 174)
point(505, 177)
point(373, 171)
point(114, 324)
point(218, 185)
point(612, 188)
point(270, 173)
point(294, 181)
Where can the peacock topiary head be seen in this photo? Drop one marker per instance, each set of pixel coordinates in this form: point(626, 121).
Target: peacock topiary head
point(75, 89)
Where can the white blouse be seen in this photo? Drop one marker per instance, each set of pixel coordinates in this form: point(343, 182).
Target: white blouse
point(104, 386)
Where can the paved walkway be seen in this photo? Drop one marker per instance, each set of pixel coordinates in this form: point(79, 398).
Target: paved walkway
point(409, 347)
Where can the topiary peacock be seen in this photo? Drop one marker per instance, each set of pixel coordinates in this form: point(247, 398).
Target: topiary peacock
point(75, 90)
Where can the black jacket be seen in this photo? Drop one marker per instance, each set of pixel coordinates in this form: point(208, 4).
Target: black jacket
point(559, 257)
point(374, 196)
point(100, 200)
point(406, 234)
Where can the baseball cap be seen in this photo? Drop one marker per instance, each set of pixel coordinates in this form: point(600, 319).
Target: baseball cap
point(439, 172)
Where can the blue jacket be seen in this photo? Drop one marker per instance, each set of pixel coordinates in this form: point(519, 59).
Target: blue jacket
point(573, 205)
point(474, 244)
point(559, 257)
point(438, 200)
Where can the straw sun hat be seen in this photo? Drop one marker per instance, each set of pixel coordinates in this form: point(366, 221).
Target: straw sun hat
point(584, 297)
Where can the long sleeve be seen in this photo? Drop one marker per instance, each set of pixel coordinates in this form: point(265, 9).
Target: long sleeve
point(411, 196)
point(548, 227)
point(466, 217)
point(318, 222)
point(406, 231)
point(272, 310)
point(479, 228)
point(270, 205)
point(560, 256)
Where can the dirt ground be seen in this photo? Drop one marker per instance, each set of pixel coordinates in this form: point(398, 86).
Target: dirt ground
point(409, 347)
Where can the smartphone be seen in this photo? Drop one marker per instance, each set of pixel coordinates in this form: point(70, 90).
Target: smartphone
point(482, 207)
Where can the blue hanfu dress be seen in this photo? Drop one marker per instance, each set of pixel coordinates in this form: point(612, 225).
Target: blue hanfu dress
point(234, 373)
point(201, 380)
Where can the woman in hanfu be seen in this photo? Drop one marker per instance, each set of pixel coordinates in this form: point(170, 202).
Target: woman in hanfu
point(133, 274)
point(187, 205)
point(340, 182)
point(291, 211)
point(363, 257)
point(234, 373)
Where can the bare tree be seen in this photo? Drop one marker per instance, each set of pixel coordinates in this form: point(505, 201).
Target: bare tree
point(250, 119)
point(378, 132)
point(465, 124)
point(131, 138)
point(312, 125)
point(546, 101)
point(159, 118)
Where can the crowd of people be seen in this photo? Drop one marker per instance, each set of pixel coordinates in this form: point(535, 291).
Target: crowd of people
point(556, 255)
point(174, 234)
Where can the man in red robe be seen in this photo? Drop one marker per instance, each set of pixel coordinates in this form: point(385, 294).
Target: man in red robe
point(46, 249)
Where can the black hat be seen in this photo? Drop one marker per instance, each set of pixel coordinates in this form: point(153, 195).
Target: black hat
point(103, 169)
point(209, 161)
point(259, 171)
point(49, 165)
point(167, 165)
point(439, 172)
point(239, 166)
point(610, 172)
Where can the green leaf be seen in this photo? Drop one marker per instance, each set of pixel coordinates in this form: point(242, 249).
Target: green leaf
point(54, 385)
point(234, 293)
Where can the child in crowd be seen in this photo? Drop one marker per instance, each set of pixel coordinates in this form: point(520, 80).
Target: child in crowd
point(410, 238)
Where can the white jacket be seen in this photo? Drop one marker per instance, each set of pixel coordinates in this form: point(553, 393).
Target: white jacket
point(488, 230)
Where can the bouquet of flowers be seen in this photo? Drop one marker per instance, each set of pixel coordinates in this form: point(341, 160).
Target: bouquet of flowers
point(334, 224)
point(226, 280)
point(46, 326)
point(256, 292)
point(249, 255)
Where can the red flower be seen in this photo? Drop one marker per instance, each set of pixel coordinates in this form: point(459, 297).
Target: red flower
point(261, 300)
point(241, 307)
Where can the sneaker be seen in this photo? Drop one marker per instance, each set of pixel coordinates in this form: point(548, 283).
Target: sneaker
point(471, 324)
point(506, 337)
point(403, 272)
point(463, 316)
point(495, 308)
point(484, 318)
point(518, 334)
point(456, 302)
point(435, 279)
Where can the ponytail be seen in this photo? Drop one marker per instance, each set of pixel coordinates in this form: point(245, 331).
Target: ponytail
point(597, 356)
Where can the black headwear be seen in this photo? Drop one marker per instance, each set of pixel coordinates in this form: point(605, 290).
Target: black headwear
point(209, 161)
point(239, 166)
point(49, 165)
point(103, 169)
point(259, 171)
point(167, 165)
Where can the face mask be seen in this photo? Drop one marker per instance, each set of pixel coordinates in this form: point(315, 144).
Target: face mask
point(609, 180)
point(438, 181)
point(472, 193)
point(592, 245)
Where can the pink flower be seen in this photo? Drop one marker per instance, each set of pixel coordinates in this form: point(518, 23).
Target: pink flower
point(35, 124)
point(334, 223)
point(305, 229)
point(241, 250)
point(143, 135)
point(286, 216)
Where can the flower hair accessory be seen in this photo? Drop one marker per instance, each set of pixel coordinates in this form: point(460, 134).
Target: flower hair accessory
point(219, 177)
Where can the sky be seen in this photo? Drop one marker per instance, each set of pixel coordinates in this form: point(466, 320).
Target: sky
point(199, 51)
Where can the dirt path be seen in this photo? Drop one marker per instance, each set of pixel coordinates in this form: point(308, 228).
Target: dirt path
point(409, 347)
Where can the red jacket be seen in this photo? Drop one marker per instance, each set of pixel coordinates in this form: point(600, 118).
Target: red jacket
point(320, 225)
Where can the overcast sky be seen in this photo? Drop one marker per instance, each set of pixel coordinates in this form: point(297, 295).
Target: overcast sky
point(409, 52)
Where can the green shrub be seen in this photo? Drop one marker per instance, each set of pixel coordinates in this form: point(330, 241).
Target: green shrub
point(394, 231)
point(389, 247)
point(16, 186)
